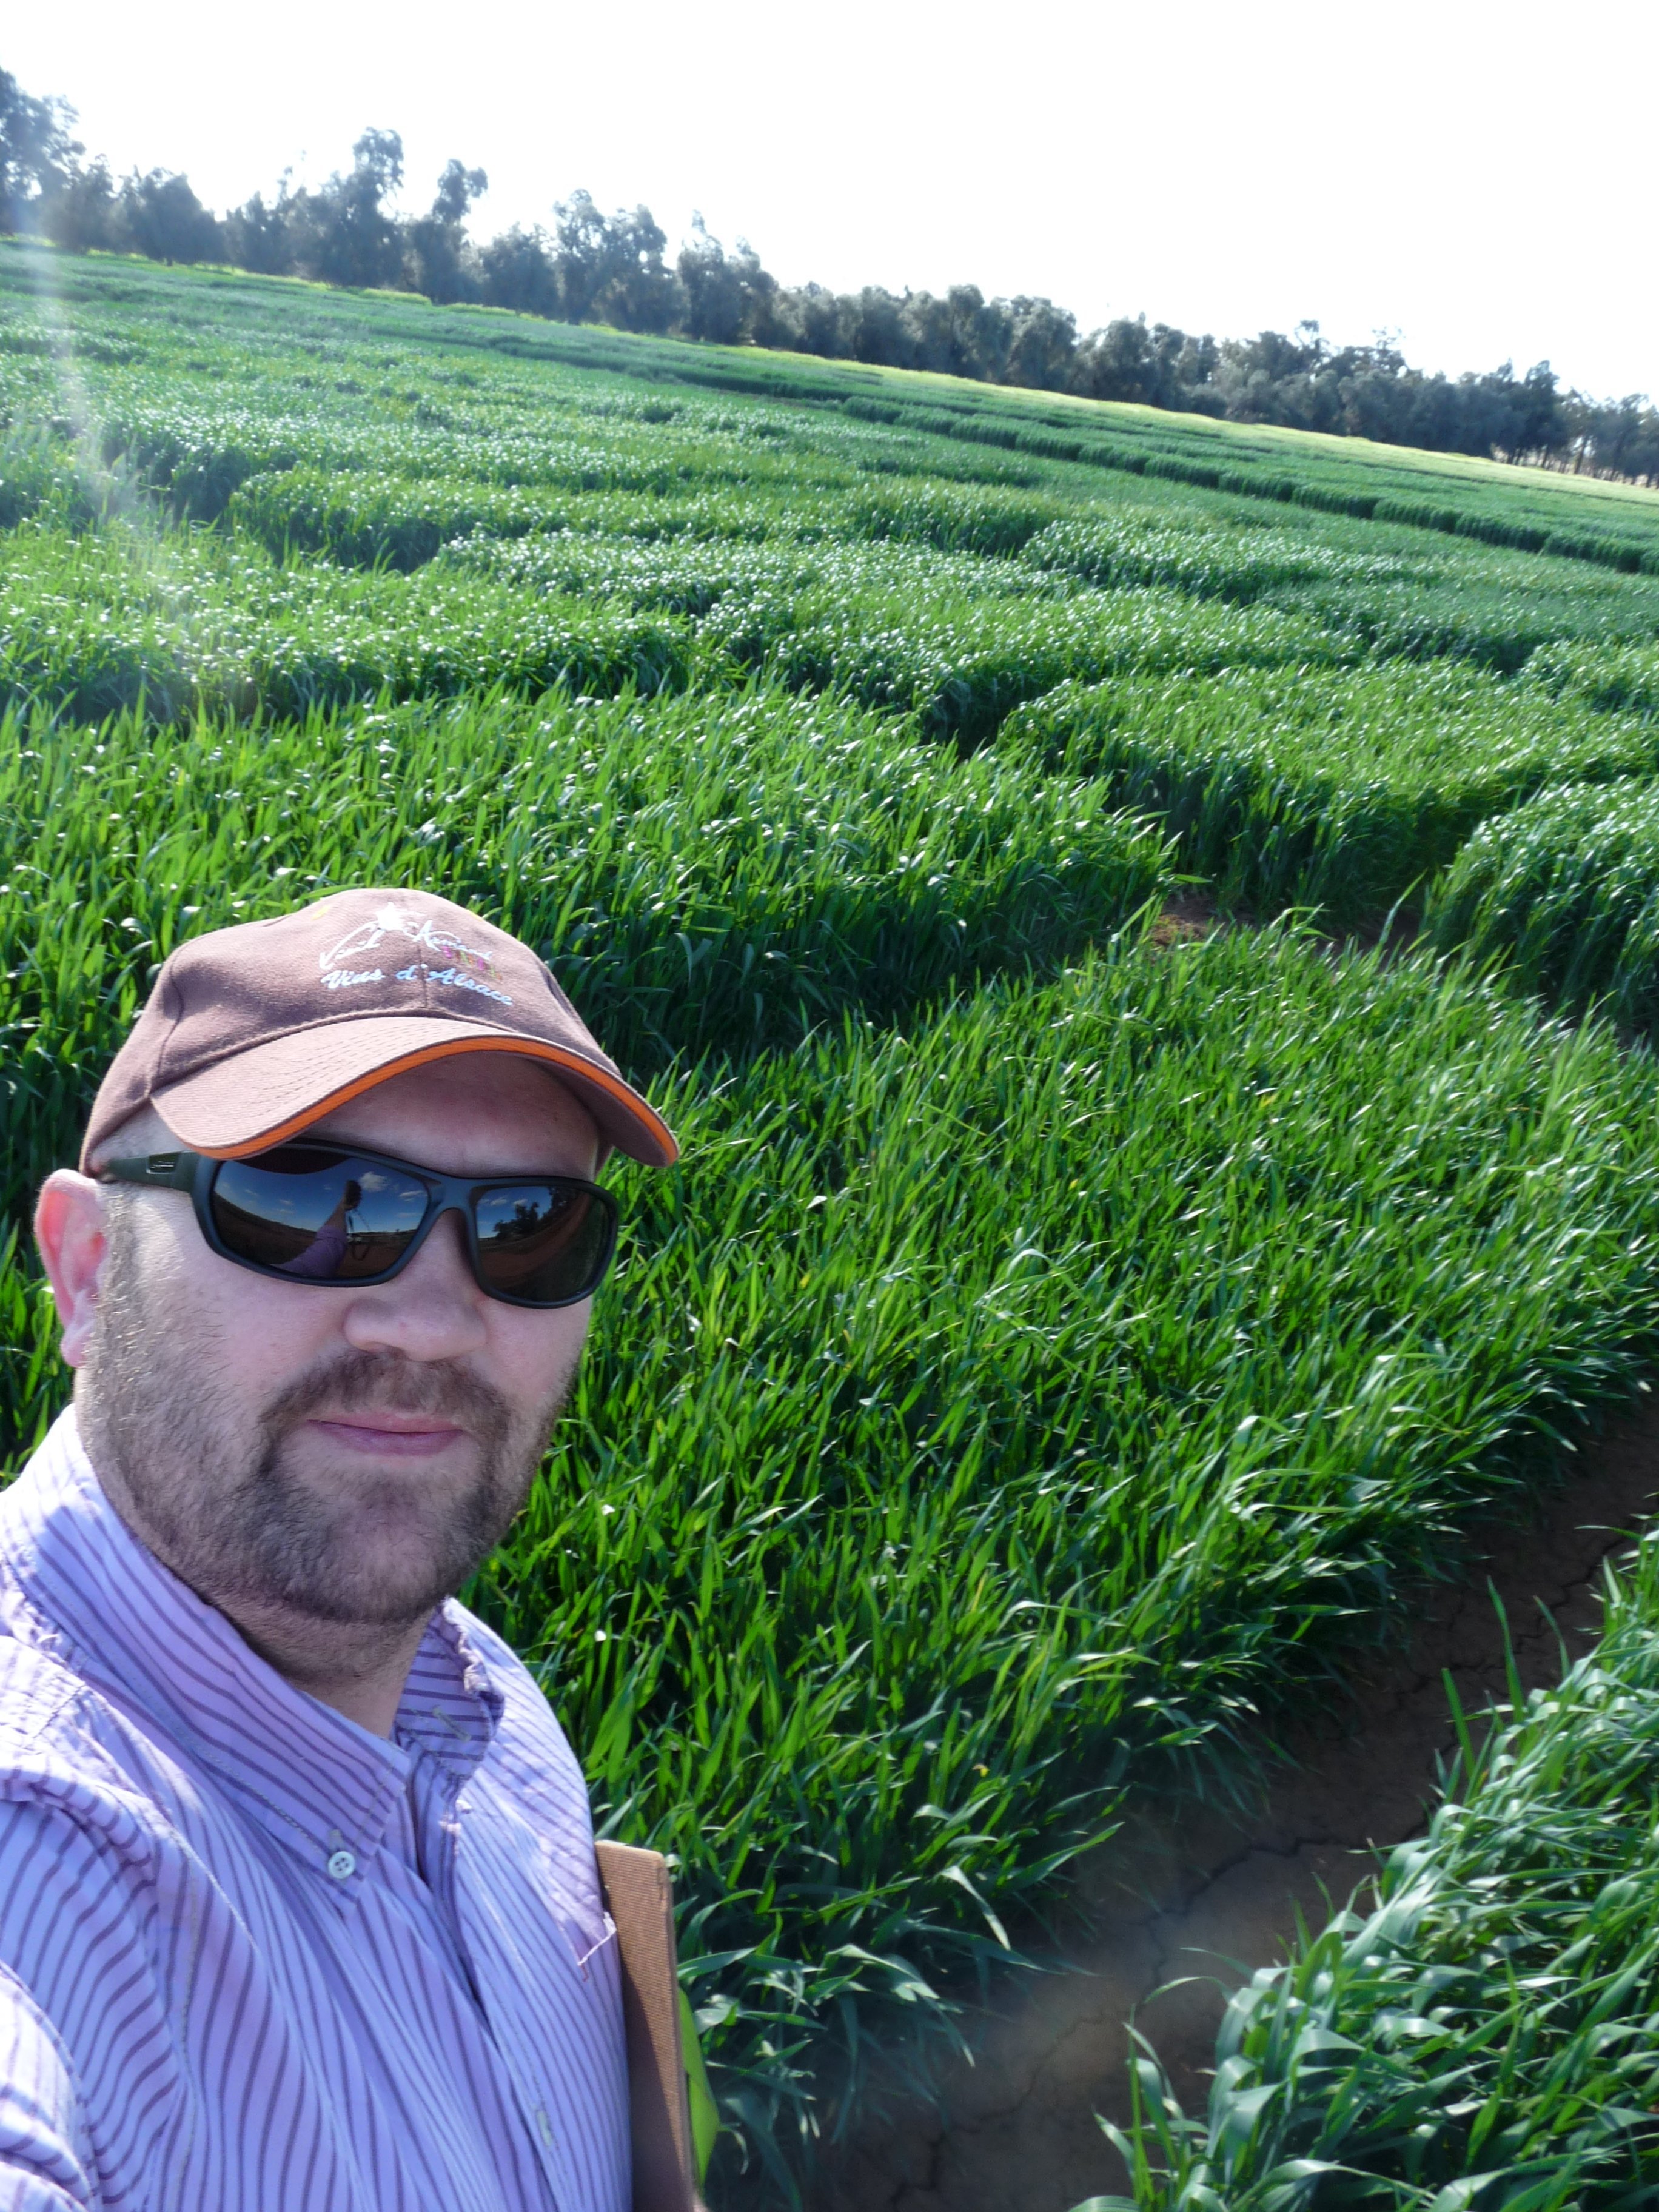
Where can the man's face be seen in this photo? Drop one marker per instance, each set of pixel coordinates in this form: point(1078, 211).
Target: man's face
point(346, 1455)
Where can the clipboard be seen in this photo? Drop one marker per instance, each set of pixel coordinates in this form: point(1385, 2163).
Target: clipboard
point(639, 1895)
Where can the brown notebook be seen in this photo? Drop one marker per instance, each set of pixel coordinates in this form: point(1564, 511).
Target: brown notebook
point(639, 1896)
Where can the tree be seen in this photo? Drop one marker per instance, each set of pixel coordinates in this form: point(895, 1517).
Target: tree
point(377, 164)
point(438, 253)
point(159, 216)
point(611, 267)
point(812, 319)
point(79, 212)
point(642, 294)
point(1541, 419)
point(458, 188)
point(1126, 361)
point(1271, 378)
point(352, 240)
point(37, 156)
point(262, 238)
point(516, 270)
point(963, 334)
point(876, 330)
point(725, 298)
point(582, 253)
point(1041, 346)
point(713, 288)
point(760, 295)
point(982, 330)
point(1192, 372)
point(1614, 437)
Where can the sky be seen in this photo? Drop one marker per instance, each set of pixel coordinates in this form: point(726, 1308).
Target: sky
point(1472, 179)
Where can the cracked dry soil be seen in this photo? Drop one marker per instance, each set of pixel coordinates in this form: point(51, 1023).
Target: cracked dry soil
point(1214, 1897)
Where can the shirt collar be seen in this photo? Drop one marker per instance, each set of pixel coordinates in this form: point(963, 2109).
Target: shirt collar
point(318, 1783)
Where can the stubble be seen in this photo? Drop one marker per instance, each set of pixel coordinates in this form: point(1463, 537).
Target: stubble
point(221, 1497)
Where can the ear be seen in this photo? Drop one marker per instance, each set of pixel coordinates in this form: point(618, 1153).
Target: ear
point(68, 1229)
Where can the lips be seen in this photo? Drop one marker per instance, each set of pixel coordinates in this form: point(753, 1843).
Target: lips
point(380, 1405)
point(389, 1435)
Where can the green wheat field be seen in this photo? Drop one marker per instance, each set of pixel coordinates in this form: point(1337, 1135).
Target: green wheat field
point(1068, 1333)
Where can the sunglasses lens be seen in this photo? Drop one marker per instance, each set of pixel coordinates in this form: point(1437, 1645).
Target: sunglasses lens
point(320, 1216)
point(547, 1243)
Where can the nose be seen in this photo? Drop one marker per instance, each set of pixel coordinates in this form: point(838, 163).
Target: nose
point(433, 1310)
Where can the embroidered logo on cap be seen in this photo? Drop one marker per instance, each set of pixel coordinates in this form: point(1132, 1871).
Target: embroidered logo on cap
point(463, 967)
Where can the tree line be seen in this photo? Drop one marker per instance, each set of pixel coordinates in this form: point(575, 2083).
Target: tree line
point(589, 266)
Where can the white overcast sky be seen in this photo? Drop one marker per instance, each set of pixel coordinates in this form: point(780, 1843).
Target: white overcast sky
point(1475, 177)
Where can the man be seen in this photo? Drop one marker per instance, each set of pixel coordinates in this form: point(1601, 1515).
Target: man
point(299, 1909)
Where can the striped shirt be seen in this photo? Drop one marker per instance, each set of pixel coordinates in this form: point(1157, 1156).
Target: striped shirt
point(253, 1959)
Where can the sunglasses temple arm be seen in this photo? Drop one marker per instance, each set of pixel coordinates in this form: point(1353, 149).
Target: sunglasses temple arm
point(160, 1171)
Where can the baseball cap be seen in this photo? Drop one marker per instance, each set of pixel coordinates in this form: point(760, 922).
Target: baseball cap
point(253, 1033)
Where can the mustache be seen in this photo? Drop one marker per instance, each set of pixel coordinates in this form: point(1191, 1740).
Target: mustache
point(352, 1382)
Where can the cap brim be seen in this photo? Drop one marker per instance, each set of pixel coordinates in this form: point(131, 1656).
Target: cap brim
point(275, 1091)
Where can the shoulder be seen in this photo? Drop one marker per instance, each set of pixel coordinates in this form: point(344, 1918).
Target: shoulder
point(88, 1899)
point(61, 1764)
point(81, 1852)
point(38, 1692)
point(42, 2117)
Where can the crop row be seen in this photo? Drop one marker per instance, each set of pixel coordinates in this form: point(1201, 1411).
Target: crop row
point(94, 625)
point(710, 877)
point(1346, 788)
point(1240, 564)
point(991, 1411)
point(961, 663)
point(1286, 775)
point(1475, 2026)
point(1565, 894)
point(197, 448)
point(1392, 601)
point(1289, 771)
point(188, 622)
point(367, 452)
point(1432, 492)
point(363, 518)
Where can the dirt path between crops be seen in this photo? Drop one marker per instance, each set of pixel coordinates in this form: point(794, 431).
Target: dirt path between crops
point(1209, 1897)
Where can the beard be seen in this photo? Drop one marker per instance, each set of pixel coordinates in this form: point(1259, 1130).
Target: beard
point(221, 1495)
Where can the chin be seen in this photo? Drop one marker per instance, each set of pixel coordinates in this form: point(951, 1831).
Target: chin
point(387, 1586)
point(407, 1552)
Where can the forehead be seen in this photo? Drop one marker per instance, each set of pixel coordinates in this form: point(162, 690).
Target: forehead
point(480, 1112)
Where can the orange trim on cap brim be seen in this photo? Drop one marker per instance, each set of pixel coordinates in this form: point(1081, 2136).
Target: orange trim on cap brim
point(525, 1048)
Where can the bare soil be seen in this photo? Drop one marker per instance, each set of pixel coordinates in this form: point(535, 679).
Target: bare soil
point(1186, 918)
point(1200, 1894)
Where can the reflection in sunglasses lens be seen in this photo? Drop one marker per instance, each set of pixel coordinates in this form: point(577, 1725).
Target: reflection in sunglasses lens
point(316, 1215)
point(538, 1241)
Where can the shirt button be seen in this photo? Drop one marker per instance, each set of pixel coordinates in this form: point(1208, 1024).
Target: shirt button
point(341, 1865)
point(545, 2124)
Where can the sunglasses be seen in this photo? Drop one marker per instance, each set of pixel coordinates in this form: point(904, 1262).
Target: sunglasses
point(319, 1213)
